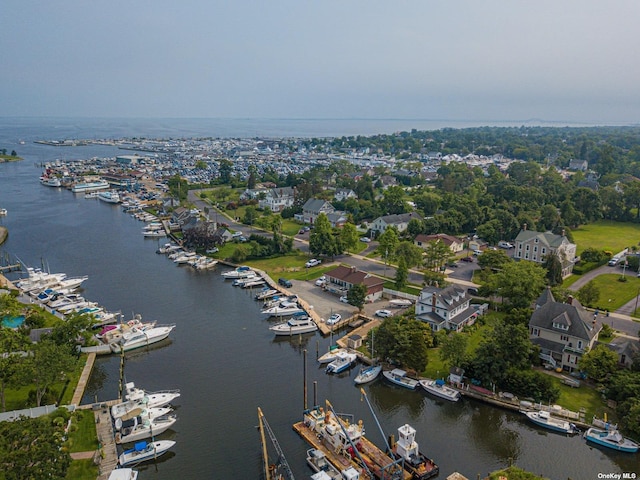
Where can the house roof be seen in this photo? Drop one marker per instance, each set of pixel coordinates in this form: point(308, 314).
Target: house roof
point(545, 297)
point(578, 321)
point(316, 205)
point(444, 238)
point(400, 218)
point(354, 277)
point(547, 238)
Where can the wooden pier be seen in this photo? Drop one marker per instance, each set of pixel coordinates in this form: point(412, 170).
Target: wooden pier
point(106, 439)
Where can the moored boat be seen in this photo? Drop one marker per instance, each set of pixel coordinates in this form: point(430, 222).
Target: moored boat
point(138, 398)
point(330, 356)
point(415, 462)
point(143, 451)
point(294, 326)
point(399, 377)
point(239, 272)
point(544, 419)
point(137, 338)
point(343, 361)
point(282, 310)
point(611, 438)
point(439, 389)
point(368, 374)
point(140, 428)
point(83, 187)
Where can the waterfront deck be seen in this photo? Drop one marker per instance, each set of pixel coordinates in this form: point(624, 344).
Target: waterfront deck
point(106, 439)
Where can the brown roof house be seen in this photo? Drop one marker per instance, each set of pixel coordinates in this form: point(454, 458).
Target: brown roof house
point(342, 278)
point(563, 331)
point(454, 243)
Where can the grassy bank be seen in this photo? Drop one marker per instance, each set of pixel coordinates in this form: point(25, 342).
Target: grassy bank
point(606, 235)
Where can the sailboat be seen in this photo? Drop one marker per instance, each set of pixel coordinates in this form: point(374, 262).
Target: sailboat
point(370, 373)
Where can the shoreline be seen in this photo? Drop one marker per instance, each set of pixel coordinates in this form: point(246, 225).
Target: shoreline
point(4, 233)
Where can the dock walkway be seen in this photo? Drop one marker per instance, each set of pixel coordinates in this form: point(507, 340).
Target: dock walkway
point(84, 378)
point(106, 439)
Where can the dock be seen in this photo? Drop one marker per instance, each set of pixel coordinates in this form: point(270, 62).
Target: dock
point(84, 378)
point(106, 440)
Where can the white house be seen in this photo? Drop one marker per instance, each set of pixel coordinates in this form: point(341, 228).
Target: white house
point(449, 308)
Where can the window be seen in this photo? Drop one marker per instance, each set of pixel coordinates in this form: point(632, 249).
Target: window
point(527, 248)
point(564, 338)
point(535, 249)
point(580, 344)
point(544, 250)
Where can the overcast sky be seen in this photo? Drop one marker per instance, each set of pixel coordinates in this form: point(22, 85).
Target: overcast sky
point(554, 60)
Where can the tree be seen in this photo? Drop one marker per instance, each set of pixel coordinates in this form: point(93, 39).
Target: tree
point(404, 340)
point(437, 254)
point(409, 252)
point(387, 242)
point(519, 282)
point(12, 343)
point(393, 201)
point(402, 274)
point(32, 448)
point(178, 187)
point(322, 241)
point(589, 293)
point(493, 259)
point(250, 215)
point(599, 363)
point(554, 269)
point(226, 167)
point(48, 365)
point(357, 295)
point(453, 349)
point(349, 236)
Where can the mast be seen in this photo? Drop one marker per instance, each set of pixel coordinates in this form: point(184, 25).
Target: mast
point(282, 461)
point(364, 394)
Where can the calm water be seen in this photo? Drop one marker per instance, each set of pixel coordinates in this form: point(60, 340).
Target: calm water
point(221, 355)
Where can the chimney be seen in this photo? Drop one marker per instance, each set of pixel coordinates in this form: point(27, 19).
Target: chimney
point(570, 299)
point(524, 227)
point(563, 232)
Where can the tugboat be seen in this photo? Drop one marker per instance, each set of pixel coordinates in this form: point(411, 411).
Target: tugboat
point(419, 465)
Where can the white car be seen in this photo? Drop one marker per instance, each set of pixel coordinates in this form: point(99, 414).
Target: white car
point(312, 263)
point(321, 281)
point(383, 313)
point(365, 239)
point(333, 319)
point(236, 234)
point(344, 299)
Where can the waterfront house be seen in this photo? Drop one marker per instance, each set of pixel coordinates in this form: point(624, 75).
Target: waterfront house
point(454, 243)
point(400, 221)
point(342, 278)
point(180, 215)
point(447, 308)
point(563, 331)
point(536, 246)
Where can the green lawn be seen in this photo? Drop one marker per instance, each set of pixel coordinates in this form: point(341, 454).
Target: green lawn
point(82, 436)
point(606, 235)
point(583, 397)
point(82, 470)
point(613, 293)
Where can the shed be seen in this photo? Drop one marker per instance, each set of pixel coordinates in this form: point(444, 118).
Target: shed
point(354, 341)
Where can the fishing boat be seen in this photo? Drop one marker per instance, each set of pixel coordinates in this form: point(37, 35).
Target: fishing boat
point(367, 374)
point(343, 361)
point(143, 451)
point(294, 326)
point(136, 398)
point(331, 355)
point(399, 377)
point(611, 438)
point(415, 462)
point(439, 389)
point(137, 338)
point(544, 419)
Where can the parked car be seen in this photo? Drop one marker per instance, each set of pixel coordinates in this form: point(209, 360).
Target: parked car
point(301, 231)
point(503, 244)
point(312, 263)
point(306, 229)
point(467, 259)
point(383, 313)
point(365, 239)
point(321, 281)
point(333, 319)
point(344, 299)
point(236, 234)
point(285, 283)
point(477, 252)
point(212, 250)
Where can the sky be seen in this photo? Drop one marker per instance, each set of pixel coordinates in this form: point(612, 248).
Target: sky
point(512, 60)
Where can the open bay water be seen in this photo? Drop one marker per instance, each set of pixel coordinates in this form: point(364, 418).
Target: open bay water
point(221, 355)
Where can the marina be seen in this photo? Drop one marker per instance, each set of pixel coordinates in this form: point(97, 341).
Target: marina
point(213, 318)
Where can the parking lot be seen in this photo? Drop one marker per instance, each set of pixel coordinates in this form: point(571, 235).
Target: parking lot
point(325, 303)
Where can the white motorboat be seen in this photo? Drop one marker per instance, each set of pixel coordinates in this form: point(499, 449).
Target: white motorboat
point(239, 272)
point(266, 293)
point(143, 451)
point(330, 356)
point(123, 474)
point(544, 419)
point(139, 398)
point(611, 438)
point(140, 428)
point(368, 374)
point(400, 302)
point(206, 264)
point(137, 338)
point(399, 377)
point(342, 362)
point(294, 326)
point(154, 233)
point(144, 413)
point(113, 333)
point(184, 258)
point(67, 299)
point(440, 389)
point(50, 181)
point(284, 308)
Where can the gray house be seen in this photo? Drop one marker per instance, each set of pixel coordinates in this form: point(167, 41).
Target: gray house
point(536, 246)
point(448, 308)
